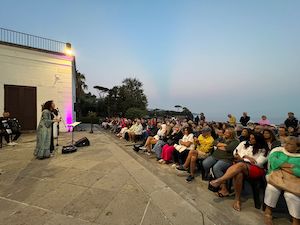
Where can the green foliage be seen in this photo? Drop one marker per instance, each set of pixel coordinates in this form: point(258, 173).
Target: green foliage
point(129, 95)
point(87, 119)
point(133, 113)
point(111, 102)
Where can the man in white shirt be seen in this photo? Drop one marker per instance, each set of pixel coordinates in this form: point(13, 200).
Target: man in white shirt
point(136, 129)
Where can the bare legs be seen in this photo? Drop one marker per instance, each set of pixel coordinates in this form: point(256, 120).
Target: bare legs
point(191, 161)
point(149, 142)
point(237, 172)
point(131, 136)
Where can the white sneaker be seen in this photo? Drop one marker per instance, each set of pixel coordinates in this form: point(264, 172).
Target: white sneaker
point(10, 144)
point(15, 143)
point(174, 165)
point(143, 148)
point(148, 153)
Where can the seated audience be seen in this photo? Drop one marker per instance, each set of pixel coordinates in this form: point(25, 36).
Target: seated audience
point(203, 145)
point(222, 157)
point(271, 139)
point(249, 157)
point(183, 147)
point(165, 153)
point(13, 126)
point(245, 135)
point(291, 131)
point(134, 130)
point(152, 140)
point(282, 134)
point(287, 159)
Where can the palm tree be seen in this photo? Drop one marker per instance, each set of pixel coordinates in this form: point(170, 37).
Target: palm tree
point(81, 86)
point(101, 90)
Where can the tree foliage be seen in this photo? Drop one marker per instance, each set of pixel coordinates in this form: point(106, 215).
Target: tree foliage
point(115, 101)
point(132, 113)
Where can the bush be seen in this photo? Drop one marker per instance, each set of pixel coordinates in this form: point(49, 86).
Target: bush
point(133, 113)
point(87, 119)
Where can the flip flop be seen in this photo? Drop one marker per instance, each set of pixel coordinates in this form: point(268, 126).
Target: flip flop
point(221, 195)
point(236, 206)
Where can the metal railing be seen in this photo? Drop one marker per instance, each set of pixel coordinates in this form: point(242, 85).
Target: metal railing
point(32, 41)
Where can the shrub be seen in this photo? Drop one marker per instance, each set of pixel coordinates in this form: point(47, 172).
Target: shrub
point(133, 113)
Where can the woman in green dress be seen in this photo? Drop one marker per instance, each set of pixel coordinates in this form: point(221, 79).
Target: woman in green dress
point(44, 131)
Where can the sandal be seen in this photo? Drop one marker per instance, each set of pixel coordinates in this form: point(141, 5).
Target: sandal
point(237, 206)
point(181, 167)
point(219, 194)
point(190, 178)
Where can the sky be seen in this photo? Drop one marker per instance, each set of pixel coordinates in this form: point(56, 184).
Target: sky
point(216, 57)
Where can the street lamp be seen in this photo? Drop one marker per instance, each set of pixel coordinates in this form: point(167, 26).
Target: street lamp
point(68, 49)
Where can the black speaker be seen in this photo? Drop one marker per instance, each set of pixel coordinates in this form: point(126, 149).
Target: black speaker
point(82, 142)
point(68, 149)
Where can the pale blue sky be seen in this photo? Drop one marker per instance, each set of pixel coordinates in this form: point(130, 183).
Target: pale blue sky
point(211, 56)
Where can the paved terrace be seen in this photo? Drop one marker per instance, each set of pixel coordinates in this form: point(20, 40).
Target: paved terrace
point(107, 183)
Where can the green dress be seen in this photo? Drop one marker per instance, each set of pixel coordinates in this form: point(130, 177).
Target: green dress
point(44, 135)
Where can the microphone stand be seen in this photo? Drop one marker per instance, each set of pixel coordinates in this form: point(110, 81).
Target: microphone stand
point(62, 120)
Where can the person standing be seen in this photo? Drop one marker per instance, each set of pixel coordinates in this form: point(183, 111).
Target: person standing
point(202, 117)
point(244, 119)
point(291, 121)
point(264, 121)
point(45, 132)
point(231, 120)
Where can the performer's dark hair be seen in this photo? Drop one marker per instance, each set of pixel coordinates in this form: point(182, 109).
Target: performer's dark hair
point(47, 105)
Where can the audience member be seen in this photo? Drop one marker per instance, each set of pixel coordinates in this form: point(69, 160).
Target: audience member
point(231, 120)
point(285, 159)
point(183, 147)
point(271, 139)
point(203, 145)
point(291, 121)
point(222, 158)
point(264, 121)
point(250, 157)
point(244, 119)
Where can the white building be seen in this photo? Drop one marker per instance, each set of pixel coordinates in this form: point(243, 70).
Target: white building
point(34, 70)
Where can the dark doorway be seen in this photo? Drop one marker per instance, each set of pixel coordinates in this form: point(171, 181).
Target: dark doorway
point(20, 101)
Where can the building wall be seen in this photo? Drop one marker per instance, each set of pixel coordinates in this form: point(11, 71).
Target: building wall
point(52, 74)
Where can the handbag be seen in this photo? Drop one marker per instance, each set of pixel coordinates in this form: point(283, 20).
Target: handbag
point(285, 181)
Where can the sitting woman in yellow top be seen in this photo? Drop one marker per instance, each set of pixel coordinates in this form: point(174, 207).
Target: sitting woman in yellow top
point(204, 145)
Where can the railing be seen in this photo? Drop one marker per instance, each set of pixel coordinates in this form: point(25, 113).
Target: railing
point(32, 41)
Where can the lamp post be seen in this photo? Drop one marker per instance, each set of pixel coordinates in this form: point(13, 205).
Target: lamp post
point(68, 49)
point(92, 115)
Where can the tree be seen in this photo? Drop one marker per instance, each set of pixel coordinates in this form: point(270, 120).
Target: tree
point(133, 113)
point(129, 95)
point(178, 107)
point(187, 113)
point(101, 90)
point(112, 101)
point(81, 86)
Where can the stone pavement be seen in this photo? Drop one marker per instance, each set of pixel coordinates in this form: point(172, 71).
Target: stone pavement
point(106, 183)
